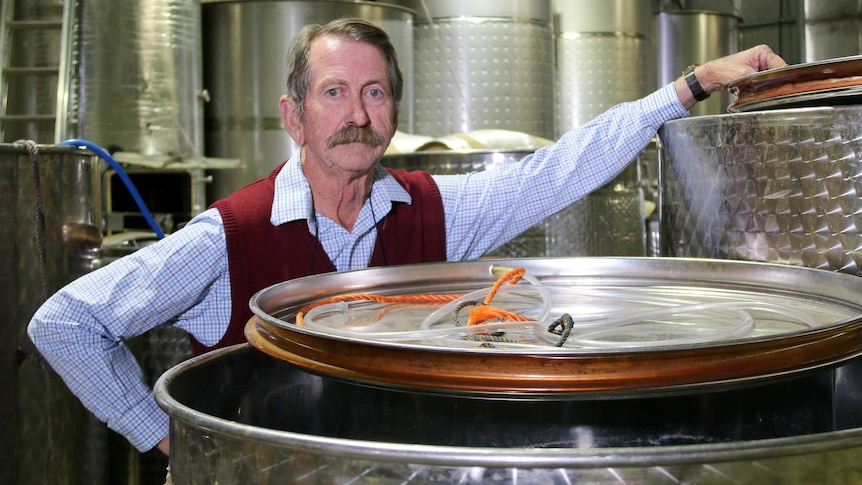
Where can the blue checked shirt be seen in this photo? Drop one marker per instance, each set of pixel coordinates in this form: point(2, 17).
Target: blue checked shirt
point(184, 278)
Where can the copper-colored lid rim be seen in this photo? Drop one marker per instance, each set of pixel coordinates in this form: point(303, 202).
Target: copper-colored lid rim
point(554, 373)
point(576, 370)
point(790, 82)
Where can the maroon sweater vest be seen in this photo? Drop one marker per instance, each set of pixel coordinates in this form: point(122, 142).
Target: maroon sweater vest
point(260, 254)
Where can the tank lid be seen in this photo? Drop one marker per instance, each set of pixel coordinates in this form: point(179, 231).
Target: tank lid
point(642, 323)
point(822, 83)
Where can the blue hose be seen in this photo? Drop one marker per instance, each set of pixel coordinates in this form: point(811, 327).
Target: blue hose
point(123, 176)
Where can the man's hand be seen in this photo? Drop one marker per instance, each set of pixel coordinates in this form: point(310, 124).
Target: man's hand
point(715, 75)
point(164, 446)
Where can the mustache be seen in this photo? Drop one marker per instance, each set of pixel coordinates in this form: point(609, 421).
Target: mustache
point(355, 134)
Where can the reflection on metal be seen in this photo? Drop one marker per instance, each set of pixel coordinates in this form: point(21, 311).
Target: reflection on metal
point(140, 72)
point(779, 186)
point(643, 326)
point(695, 37)
point(48, 436)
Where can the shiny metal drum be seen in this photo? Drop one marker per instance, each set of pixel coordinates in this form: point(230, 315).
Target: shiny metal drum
point(239, 415)
point(140, 70)
point(695, 37)
point(48, 436)
point(605, 56)
point(777, 186)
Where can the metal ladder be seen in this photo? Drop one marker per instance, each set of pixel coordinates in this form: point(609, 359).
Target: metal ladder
point(13, 122)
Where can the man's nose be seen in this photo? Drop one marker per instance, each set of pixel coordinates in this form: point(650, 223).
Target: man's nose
point(358, 112)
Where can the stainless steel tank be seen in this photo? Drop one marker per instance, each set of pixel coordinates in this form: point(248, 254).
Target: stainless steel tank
point(604, 56)
point(609, 221)
point(484, 65)
point(687, 37)
point(245, 55)
point(780, 186)
point(241, 416)
point(140, 76)
point(532, 242)
point(48, 436)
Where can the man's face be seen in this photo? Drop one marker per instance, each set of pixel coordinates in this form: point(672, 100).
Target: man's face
point(349, 111)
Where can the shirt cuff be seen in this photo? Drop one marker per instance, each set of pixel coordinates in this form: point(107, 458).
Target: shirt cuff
point(667, 102)
point(144, 425)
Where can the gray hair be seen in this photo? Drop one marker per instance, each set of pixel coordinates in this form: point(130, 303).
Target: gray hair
point(298, 69)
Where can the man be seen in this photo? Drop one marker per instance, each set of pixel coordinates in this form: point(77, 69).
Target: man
point(331, 207)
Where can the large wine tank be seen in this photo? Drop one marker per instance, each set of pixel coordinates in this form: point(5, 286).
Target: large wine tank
point(140, 65)
point(51, 220)
point(140, 91)
point(778, 186)
point(604, 57)
point(484, 65)
point(687, 37)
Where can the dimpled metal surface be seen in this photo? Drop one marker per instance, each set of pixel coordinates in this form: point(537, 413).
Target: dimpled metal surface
point(597, 71)
point(480, 73)
point(779, 186)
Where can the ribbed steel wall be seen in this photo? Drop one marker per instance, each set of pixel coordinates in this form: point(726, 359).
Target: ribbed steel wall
point(140, 70)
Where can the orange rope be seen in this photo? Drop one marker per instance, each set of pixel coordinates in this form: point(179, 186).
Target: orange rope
point(371, 297)
point(478, 314)
point(514, 275)
point(481, 314)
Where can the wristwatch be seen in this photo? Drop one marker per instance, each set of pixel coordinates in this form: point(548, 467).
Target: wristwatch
point(694, 84)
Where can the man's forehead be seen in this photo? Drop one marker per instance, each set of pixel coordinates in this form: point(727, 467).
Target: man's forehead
point(331, 53)
point(334, 44)
point(326, 42)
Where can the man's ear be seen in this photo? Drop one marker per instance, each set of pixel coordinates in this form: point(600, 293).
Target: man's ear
point(290, 120)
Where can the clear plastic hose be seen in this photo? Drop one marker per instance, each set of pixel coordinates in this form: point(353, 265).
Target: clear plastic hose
point(636, 321)
point(445, 312)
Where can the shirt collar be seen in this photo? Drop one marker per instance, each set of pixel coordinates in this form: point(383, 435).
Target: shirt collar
point(293, 200)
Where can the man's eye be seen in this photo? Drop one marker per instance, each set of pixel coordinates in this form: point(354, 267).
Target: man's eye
point(375, 93)
point(332, 92)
